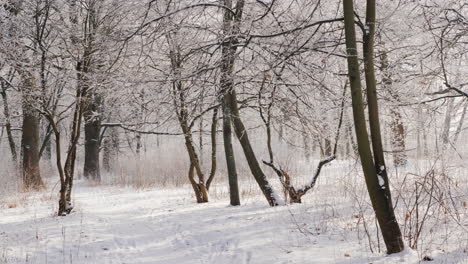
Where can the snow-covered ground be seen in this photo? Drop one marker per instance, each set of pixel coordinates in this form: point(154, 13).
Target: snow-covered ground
point(165, 226)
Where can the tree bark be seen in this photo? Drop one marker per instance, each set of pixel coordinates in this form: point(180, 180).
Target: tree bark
point(214, 127)
point(180, 104)
point(46, 146)
point(92, 129)
point(254, 166)
point(30, 139)
point(398, 130)
point(460, 124)
point(227, 86)
point(229, 152)
point(398, 139)
point(110, 149)
point(229, 51)
point(447, 124)
point(6, 112)
point(376, 178)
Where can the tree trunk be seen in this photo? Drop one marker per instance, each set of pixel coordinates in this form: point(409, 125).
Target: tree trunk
point(447, 124)
point(328, 147)
point(106, 154)
point(92, 129)
point(65, 205)
point(227, 85)
point(254, 166)
point(306, 142)
point(179, 99)
point(110, 149)
point(141, 118)
point(398, 130)
point(376, 178)
point(229, 152)
point(214, 127)
point(460, 125)
point(232, 26)
point(398, 139)
point(30, 139)
point(46, 146)
point(199, 187)
point(6, 112)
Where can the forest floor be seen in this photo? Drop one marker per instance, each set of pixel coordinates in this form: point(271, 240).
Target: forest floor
point(165, 226)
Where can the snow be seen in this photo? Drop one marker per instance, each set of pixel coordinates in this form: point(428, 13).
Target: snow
point(166, 226)
point(381, 180)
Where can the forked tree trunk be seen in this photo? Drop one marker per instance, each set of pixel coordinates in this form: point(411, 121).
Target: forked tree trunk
point(65, 204)
point(254, 166)
point(374, 173)
point(231, 26)
point(199, 186)
point(180, 104)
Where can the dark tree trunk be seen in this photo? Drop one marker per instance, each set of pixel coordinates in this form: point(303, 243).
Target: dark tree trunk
point(227, 85)
point(214, 127)
point(232, 25)
point(254, 166)
point(30, 149)
point(376, 178)
point(30, 139)
point(229, 152)
point(92, 129)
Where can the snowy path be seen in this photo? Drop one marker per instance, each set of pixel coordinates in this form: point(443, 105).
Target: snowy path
point(111, 225)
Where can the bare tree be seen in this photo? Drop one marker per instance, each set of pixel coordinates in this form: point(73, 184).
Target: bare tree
point(374, 170)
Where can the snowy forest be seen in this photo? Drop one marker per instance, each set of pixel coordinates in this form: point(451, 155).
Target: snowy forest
point(233, 131)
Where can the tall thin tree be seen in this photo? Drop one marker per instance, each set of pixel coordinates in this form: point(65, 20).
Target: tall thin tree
point(374, 173)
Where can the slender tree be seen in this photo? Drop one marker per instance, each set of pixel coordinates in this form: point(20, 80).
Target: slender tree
point(6, 112)
point(230, 27)
point(376, 179)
